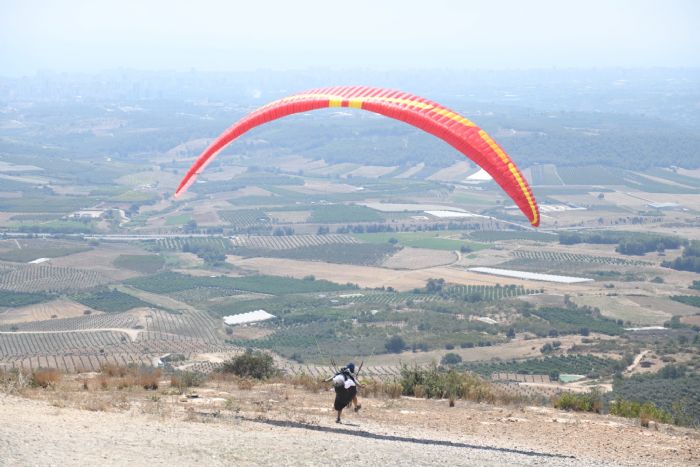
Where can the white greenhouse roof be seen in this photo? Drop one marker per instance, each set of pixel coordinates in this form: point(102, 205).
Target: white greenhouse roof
point(250, 317)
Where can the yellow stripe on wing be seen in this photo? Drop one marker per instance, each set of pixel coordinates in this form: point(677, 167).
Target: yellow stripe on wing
point(513, 170)
point(356, 102)
point(525, 191)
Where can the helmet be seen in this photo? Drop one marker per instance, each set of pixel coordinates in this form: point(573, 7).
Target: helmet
point(351, 367)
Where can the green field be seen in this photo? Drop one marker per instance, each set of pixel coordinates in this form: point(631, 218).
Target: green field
point(504, 235)
point(30, 254)
point(244, 217)
point(430, 240)
point(572, 364)
point(367, 254)
point(180, 219)
point(187, 243)
point(344, 213)
point(169, 282)
point(13, 299)
point(147, 264)
point(110, 301)
point(692, 300)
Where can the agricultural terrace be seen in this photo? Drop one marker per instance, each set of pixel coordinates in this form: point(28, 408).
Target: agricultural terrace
point(287, 242)
point(182, 243)
point(365, 254)
point(27, 254)
point(242, 218)
point(110, 301)
point(430, 240)
point(43, 277)
point(170, 282)
point(562, 257)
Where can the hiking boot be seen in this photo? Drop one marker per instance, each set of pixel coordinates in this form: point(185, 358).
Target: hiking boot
point(337, 420)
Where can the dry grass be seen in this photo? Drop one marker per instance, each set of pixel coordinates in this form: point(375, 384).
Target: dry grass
point(644, 420)
point(112, 370)
point(308, 382)
point(393, 390)
point(149, 379)
point(46, 377)
point(245, 384)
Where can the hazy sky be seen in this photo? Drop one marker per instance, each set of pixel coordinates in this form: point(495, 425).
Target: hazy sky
point(93, 35)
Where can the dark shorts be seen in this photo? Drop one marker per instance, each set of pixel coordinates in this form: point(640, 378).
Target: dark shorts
point(343, 397)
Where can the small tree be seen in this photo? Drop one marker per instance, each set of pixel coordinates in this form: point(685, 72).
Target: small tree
point(395, 344)
point(253, 364)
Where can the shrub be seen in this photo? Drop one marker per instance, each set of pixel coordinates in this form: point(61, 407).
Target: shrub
point(645, 412)
point(149, 378)
point(433, 383)
point(185, 379)
point(252, 364)
point(45, 377)
point(582, 402)
point(451, 359)
point(112, 370)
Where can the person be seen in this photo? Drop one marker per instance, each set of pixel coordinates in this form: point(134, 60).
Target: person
point(345, 384)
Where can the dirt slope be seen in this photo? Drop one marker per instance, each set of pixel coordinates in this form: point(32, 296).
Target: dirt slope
point(299, 429)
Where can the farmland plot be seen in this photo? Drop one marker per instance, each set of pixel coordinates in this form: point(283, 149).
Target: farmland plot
point(291, 241)
point(43, 311)
point(56, 343)
point(42, 277)
point(126, 321)
point(178, 243)
point(244, 217)
point(563, 257)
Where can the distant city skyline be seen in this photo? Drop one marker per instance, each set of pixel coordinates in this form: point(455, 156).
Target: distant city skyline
point(209, 35)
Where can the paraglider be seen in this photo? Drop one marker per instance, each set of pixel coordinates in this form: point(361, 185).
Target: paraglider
point(456, 130)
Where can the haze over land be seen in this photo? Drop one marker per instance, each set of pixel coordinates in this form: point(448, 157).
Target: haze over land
point(340, 235)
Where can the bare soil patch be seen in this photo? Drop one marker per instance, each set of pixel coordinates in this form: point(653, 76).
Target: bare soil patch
point(457, 171)
point(367, 276)
point(372, 171)
point(419, 258)
point(56, 309)
point(411, 171)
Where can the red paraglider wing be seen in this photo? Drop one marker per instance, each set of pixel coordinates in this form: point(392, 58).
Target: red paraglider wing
point(459, 132)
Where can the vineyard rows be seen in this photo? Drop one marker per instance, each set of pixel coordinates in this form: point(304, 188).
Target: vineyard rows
point(87, 342)
point(80, 323)
point(244, 217)
point(489, 292)
point(73, 363)
point(520, 378)
point(42, 277)
point(560, 257)
point(57, 343)
point(517, 389)
point(385, 298)
point(191, 324)
point(291, 241)
point(177, 243)
point(202, 294)
point(374, 373)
